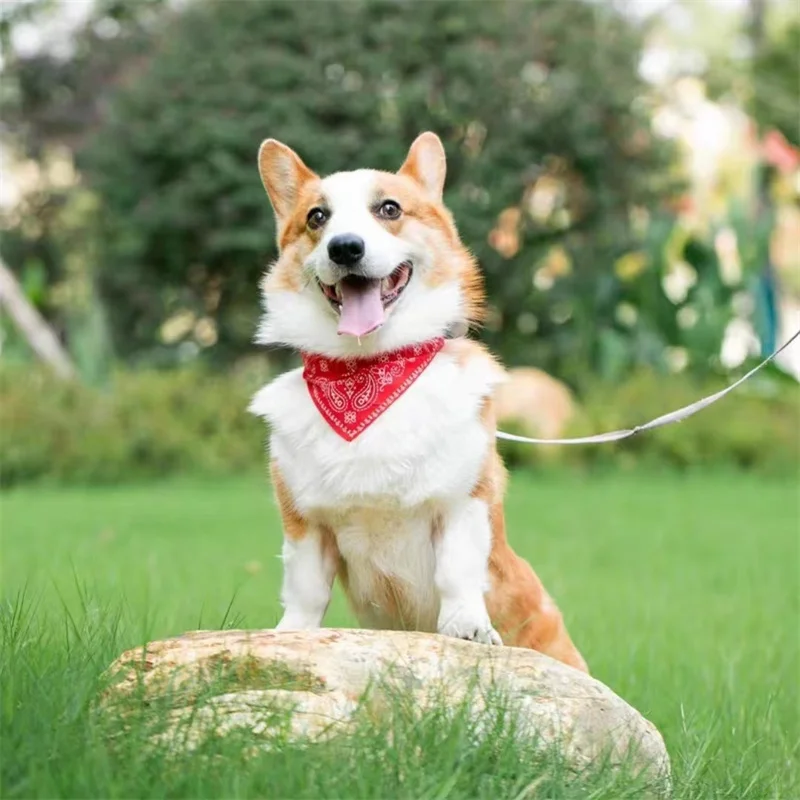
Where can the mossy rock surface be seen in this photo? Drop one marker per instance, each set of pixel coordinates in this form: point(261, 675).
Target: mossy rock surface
point(306, 686)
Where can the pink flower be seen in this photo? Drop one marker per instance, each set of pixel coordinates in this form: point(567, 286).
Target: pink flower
point(779, 153)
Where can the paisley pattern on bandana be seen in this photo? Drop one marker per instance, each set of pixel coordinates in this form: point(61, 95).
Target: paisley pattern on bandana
point(352, 393)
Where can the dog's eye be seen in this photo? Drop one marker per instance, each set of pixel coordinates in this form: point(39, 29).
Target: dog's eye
point(316, 218)
point(389, 209)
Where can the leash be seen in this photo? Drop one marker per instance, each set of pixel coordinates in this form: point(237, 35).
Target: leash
point(666, 419)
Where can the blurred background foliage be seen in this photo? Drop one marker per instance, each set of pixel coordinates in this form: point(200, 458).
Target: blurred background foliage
point(140, 228)
point(148, 424)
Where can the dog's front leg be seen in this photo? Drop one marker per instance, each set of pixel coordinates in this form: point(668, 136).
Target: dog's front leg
point(309, 567)
point(462, 549)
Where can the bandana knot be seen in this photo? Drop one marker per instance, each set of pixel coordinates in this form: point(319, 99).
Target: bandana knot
point(351, 393)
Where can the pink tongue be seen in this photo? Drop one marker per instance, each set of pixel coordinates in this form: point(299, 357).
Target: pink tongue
point(362, 308)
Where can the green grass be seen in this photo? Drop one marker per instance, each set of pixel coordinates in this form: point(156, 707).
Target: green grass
point(682, 593)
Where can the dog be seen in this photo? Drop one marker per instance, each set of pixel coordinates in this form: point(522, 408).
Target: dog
point(382, 446)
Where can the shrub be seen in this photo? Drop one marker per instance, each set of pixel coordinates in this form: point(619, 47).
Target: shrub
point(150, 424)
point(146, 424)
point(757, 427)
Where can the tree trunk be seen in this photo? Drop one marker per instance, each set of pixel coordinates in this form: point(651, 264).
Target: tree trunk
point(33, 326)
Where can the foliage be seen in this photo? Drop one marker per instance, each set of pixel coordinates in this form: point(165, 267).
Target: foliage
point(54, 263)
point(776, 83)
point(757, 428)
point(555, 177)
point(55, 96)
point(146, 424)
point(539, 105)
point(682, 593)
point(748, 54)
point(676, 294)
point(51, 101)
point(152, 424)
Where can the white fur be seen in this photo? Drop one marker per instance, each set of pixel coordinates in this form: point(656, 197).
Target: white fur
point(308, 573)
point(383, 494)
point(305, 320)
point(462, 556)
point(376, 543)
point(351, 197)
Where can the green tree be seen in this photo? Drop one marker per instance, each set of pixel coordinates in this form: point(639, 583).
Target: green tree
point(775, 100)
point(51, 102)
point(539, 105)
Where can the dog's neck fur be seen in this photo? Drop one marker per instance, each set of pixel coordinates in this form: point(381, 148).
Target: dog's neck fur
point(301, 321)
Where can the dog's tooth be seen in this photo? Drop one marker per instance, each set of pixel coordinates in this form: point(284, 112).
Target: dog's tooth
point(386, 285)
point(338, 291)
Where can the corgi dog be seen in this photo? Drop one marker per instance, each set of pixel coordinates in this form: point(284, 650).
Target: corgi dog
point(382, 446)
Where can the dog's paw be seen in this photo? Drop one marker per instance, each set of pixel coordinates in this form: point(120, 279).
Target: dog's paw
point(472, 630)
point(487, 635)
point(298, 622)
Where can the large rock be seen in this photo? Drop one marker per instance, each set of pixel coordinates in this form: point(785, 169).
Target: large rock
point(322, 677)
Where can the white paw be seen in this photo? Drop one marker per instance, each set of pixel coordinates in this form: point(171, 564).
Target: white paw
point(470, 627)
point(297, 622)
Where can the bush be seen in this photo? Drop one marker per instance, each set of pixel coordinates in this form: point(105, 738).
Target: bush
point(146, 425)
point(152, 424)
point(757, 427)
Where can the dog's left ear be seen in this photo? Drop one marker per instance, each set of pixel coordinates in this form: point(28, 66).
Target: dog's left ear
point(426, 163)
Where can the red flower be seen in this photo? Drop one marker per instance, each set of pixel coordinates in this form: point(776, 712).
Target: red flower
point(779, 153)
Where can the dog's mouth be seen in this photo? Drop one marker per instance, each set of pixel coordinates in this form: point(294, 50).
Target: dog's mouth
point(362, 302)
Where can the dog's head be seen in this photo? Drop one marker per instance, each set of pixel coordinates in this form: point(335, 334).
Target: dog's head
point(369, 261)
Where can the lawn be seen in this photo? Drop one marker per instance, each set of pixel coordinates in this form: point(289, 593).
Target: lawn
point(681, 591)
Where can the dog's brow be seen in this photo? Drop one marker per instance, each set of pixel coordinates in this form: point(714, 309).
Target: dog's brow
point(378, 196)
point(381, 194)
point(319, 199)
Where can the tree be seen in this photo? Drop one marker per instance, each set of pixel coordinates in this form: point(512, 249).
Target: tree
point(51, 101)
point(775, 100)
point(539, 105)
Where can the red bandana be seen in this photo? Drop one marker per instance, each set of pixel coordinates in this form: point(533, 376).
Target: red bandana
point(352, 393)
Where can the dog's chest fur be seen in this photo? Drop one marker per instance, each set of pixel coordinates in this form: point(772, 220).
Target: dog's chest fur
point(381, 494)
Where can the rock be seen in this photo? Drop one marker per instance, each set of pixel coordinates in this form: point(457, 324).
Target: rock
point(321, 678)
point(540, 404)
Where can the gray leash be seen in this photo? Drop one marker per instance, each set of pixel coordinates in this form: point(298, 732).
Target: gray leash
point(666, 419)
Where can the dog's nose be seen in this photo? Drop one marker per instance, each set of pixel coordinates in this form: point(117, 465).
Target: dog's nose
point(346, 249)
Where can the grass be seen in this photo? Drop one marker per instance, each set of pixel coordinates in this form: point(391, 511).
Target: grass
point(681, 591)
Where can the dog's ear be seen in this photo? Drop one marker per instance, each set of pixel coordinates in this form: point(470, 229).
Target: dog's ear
point(426, 163)
point(283, 174)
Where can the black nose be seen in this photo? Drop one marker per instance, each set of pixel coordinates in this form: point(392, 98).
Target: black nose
point(346, 249)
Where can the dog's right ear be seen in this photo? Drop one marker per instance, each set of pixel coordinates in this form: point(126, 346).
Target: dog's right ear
point(283, 174)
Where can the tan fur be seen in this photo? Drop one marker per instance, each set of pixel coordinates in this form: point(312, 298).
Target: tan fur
point(295, 226)
point(294, 526)
point(520, 608)
point(426, 164)
point(453, 262)
point(284, 175)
